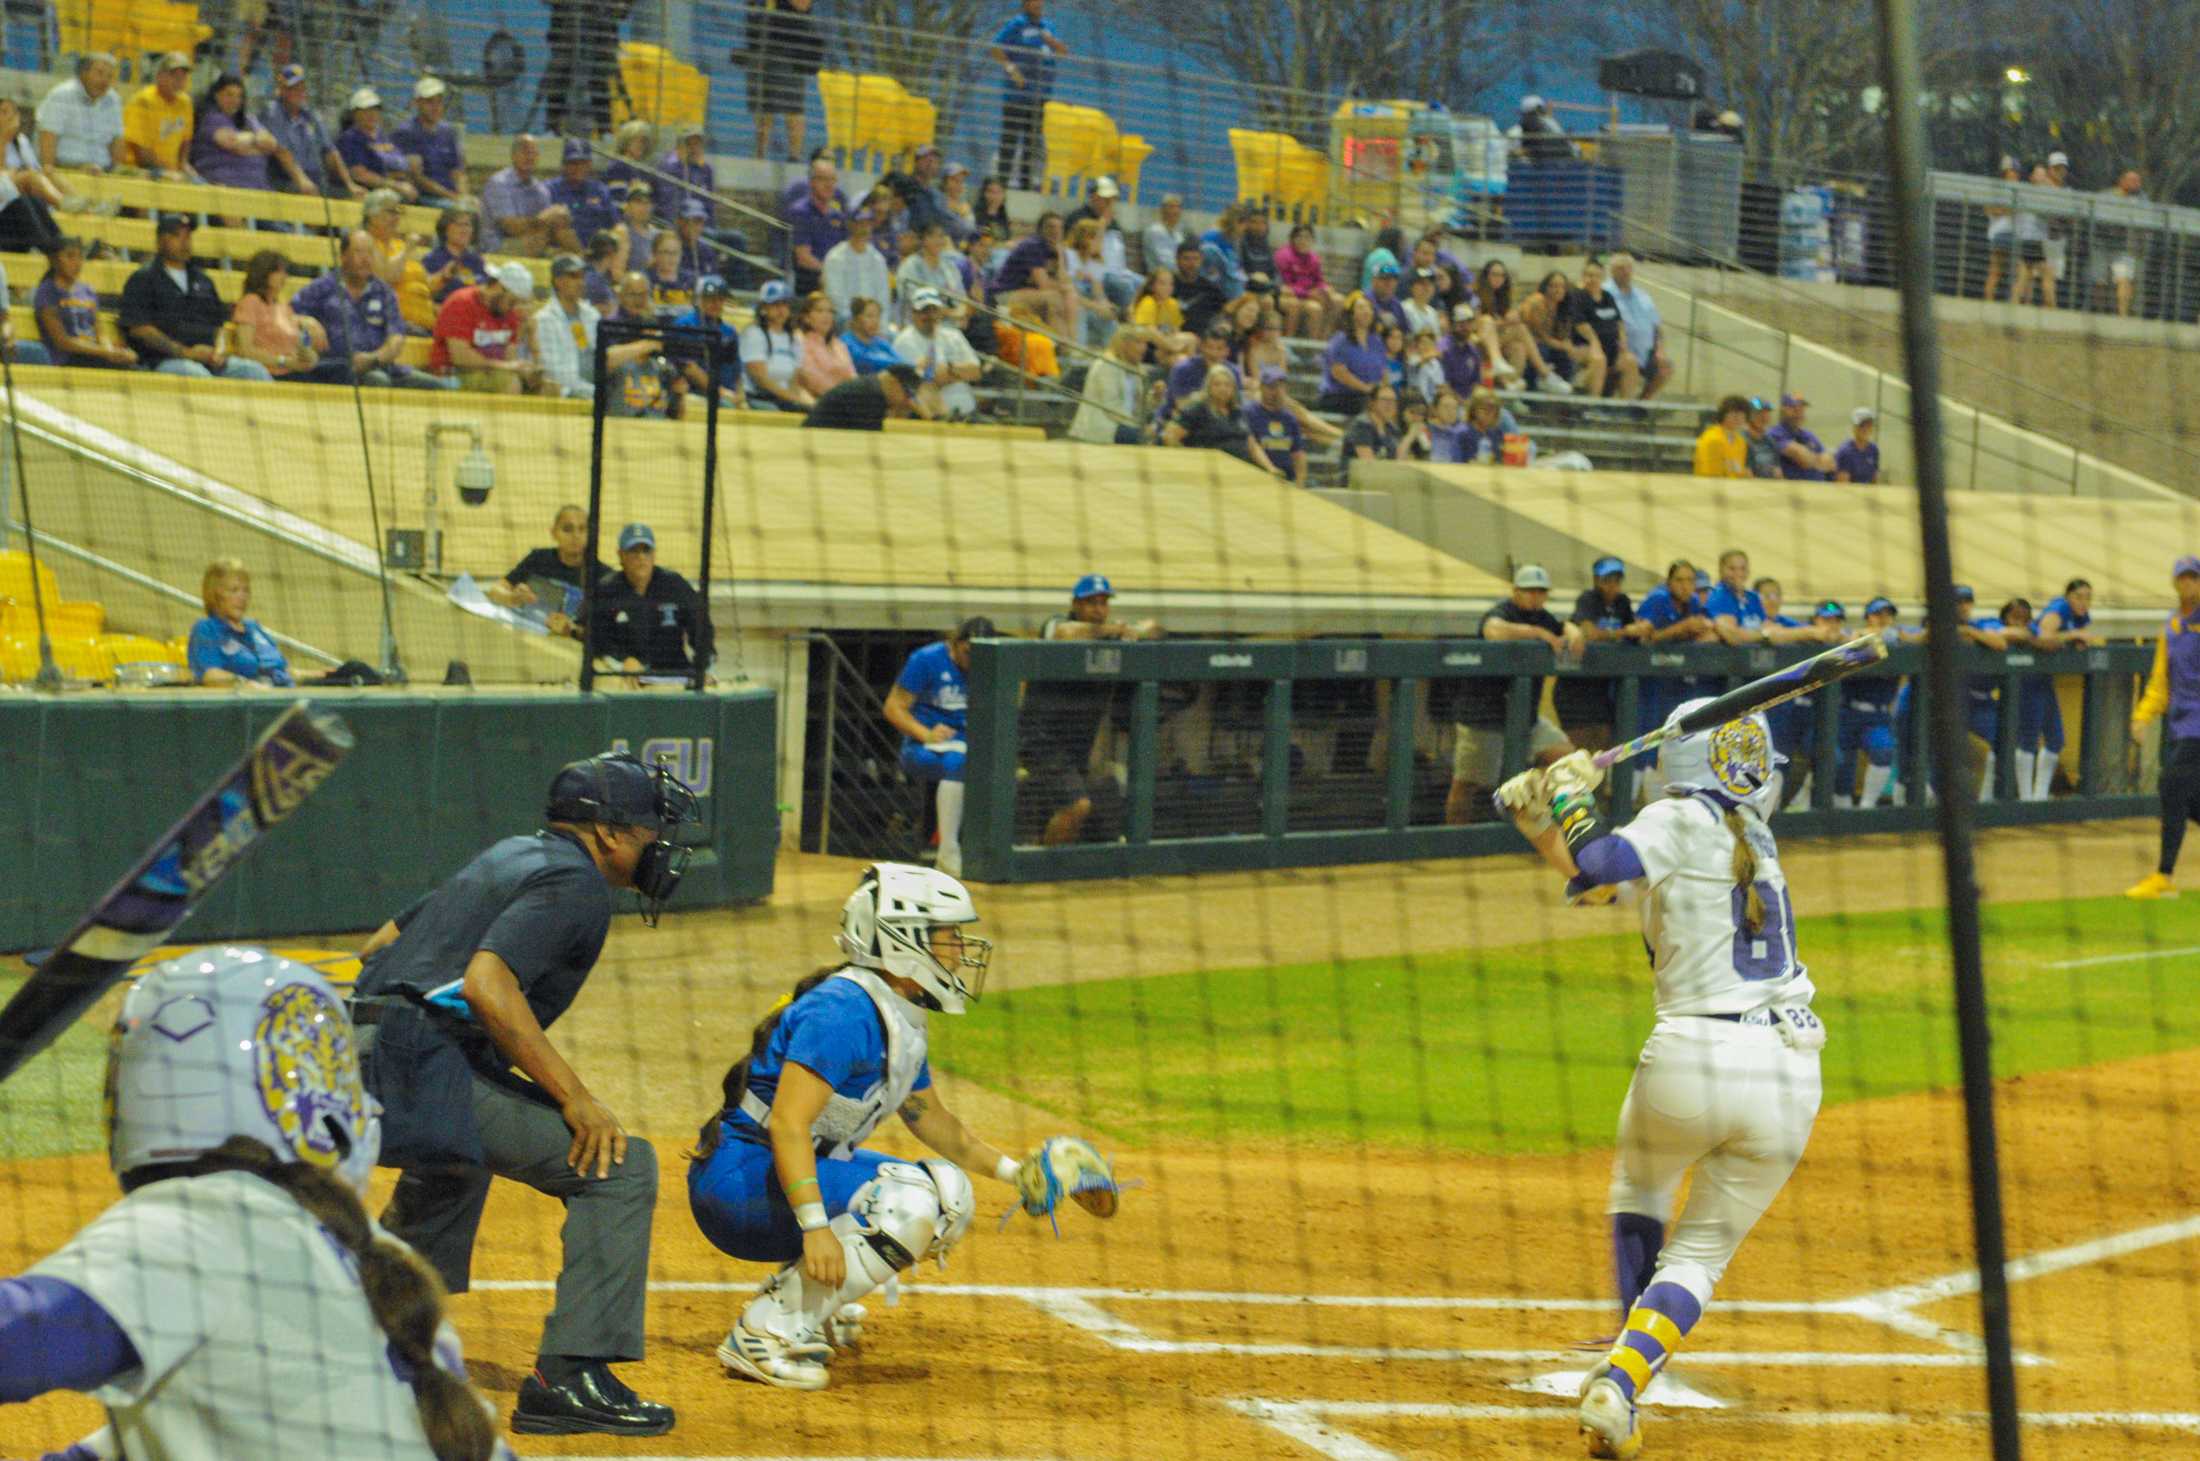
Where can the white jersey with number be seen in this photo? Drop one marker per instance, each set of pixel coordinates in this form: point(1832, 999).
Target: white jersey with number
point(1706, 960)
point(254, 1337)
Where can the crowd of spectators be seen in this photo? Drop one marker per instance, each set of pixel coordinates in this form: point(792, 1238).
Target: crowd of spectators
point(1745, 441)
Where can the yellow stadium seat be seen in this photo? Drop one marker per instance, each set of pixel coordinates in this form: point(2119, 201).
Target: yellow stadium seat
point(129, 29)
point(77, 658)
point(1259, 158)
point(836, 91)
point(17, 599)
point(661, 89)
point(1304, 184)
point(1131, 152)
point(882, 116)
point(127, 649)
point(1080, 143)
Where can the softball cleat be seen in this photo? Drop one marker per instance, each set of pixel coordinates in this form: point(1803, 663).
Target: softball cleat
point(844, 1326)
point(1608, 1419)
point(2153, 885)
point(753, 1354)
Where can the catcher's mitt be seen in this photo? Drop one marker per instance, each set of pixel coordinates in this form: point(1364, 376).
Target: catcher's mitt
point(1067, 1166)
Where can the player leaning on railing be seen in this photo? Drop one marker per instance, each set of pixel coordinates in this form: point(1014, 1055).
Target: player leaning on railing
point(779, 1174)
point(1728, 1082)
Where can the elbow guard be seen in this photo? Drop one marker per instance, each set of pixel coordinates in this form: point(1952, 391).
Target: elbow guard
point(1574, 811)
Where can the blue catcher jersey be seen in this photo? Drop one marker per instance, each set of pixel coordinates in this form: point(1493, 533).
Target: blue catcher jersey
point(859, 1037)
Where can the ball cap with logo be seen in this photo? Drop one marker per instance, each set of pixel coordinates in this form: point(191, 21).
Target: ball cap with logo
point(2184, 565)
point(1093, 586)
point(1531, 575)
point(637, 535)
point(1606, 567)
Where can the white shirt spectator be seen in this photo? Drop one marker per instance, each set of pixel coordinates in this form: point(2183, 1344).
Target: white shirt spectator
point(1638, 319)
point(917, 273)
point(84, 130)
point(1161, 241)
point(1421, 317)
point(852, 274)
point(565, 345)
point(943, 348)
point(779, 351)
point(1110, 385)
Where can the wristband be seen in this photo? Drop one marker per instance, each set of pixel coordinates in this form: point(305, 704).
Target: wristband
point(1006, 1169)
point(810, 1216)
point(804, 1182)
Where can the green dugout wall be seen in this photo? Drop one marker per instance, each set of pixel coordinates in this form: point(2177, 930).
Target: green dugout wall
point(87, 781)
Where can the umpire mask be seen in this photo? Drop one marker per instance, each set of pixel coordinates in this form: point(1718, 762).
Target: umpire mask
point(619, 791)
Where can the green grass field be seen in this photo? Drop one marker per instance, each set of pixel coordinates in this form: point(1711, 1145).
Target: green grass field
point(1529, 1047)
point(1520, 1048)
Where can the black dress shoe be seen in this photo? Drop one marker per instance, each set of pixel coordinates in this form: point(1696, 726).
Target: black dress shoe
point(592, 1399)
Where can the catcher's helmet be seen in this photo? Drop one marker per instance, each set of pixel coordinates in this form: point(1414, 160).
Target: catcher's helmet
point(238, 1041)
point(887, 924)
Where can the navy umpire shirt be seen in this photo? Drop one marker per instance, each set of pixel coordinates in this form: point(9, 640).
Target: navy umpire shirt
point(537, 902)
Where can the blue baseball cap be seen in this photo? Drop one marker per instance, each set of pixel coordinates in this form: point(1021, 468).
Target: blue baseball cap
point(1964, 594)
point(1830, 609)
point(637, 535)
point(1386, 271)
point(2184, 565)
point(1881, 605)
point(775, 291)
point(1607, 566)
point(1093, 586)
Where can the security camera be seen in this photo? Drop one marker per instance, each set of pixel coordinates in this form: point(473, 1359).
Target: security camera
point(476, 477)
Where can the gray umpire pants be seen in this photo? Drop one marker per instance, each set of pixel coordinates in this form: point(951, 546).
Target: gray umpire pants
point(603, 1284)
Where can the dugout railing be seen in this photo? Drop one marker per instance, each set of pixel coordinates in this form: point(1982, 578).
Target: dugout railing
point(1252, 795)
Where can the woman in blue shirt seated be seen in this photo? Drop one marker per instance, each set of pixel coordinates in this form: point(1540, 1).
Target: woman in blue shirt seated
point(455, 263)
point(870, 348)
point(226, 647)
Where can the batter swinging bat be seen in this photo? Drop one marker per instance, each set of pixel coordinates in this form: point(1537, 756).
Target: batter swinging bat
point(284, 767)
point(1776, 688)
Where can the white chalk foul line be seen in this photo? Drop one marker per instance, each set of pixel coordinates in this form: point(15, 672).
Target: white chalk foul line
point(1308, 1421)
point(2035, 1265)
point(2099, 959)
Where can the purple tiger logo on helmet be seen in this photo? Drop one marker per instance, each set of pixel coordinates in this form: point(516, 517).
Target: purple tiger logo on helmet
point(307, 1068)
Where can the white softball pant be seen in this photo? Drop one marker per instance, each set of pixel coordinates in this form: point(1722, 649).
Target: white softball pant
point(1734, 1102)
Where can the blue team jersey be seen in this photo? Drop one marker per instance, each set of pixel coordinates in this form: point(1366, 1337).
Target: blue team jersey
point(1659, 608)
point(942, 693)
point(249, 653)
point(1024, 41)
point(1981, 689)
point(2060, 605)
point(1873, 694)
point(838, 1033)
point(1747, 607)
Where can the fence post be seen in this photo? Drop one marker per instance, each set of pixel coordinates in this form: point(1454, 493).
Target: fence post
point(1145, 760)
point(1275, 760)
point(989, 767)
point(1405, 713)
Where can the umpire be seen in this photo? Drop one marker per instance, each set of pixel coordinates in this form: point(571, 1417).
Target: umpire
point(460, 989)
point(2174, 689)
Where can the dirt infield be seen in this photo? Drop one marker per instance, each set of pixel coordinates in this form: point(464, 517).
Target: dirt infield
point(1311, 1301)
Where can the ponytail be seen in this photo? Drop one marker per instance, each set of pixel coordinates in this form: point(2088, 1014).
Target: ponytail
point(736, 1082)
point(1745, 875)
point(403, 1293)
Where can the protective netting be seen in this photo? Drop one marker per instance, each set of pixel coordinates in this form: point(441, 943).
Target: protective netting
point(1420, 1148)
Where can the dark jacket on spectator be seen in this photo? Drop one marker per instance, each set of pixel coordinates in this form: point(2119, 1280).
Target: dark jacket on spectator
point(853, 405)
point(660, 627)
point(192, 315)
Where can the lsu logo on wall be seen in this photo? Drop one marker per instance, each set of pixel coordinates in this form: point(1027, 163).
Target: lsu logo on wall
point(687, 757)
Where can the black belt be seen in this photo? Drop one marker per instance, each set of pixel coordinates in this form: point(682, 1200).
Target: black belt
point(366, 1014)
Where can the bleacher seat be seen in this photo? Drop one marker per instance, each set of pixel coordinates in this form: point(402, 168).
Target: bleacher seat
point(129, 29)
point(19, 602)
point(660, 88)
point(1131, 153)
point(836, 92)
point(155, 196)
point(1081, 144)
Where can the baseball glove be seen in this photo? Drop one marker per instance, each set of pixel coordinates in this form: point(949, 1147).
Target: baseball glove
point(1067, 1166)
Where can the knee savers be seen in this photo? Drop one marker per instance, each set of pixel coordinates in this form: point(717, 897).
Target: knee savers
point(909, 1211)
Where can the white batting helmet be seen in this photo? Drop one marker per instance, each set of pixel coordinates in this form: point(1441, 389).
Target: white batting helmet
point(1736, 759)
point(887, 924)
point(238, 1041)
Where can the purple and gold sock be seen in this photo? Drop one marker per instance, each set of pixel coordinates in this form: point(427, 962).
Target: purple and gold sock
point(1655, 1328)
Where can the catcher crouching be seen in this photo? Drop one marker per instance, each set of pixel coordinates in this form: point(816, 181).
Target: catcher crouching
point(779, 1174)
